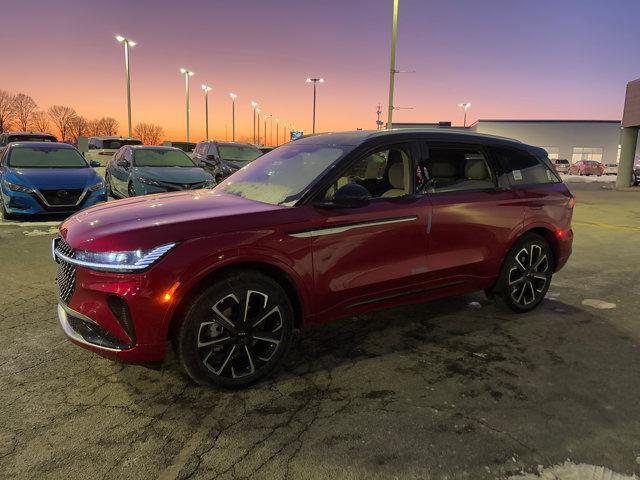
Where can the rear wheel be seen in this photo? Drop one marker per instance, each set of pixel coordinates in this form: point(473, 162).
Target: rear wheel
point(526, 273)
point(236, 331)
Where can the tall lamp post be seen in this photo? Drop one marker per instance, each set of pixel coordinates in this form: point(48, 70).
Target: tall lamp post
point(127, 43)
point(392, 66)
point(265, 128)
point(277, 131)
point(284, 133)
point(465, 106)
point(206, 89)
point(187, 74)
point(233, 116)
point(315, 81)
point(271, 129)
point(258, 123)
point(254, 105)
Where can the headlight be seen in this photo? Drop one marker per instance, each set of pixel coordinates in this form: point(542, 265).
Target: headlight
point(118, 261)
point(149, 181)
point(17, 188)
point(95, 187)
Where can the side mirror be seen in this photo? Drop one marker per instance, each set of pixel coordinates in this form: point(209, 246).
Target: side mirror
point(351, 195)
point(94, 163)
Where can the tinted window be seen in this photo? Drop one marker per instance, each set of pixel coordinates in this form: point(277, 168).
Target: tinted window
point(521, 168)
point(148, 157)
point(451, 169)
point(32, 138)
point(115, 144)
point(44, 157)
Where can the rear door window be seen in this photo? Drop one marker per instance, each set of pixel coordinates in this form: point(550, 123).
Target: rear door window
point(518, 167)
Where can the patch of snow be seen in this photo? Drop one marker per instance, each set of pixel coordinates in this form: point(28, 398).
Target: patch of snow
point(589, 178)
point(474, 305)
point(599, 304)
point(572, 471)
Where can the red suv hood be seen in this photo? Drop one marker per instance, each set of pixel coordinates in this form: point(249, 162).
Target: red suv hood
point(152, 220)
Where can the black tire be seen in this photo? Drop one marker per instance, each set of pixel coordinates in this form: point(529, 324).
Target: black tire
point(130, 191)
point(218, 179)
point(526, 273)
point(236, 331)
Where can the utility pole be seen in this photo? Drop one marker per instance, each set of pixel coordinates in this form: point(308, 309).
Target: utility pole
point(392, 67)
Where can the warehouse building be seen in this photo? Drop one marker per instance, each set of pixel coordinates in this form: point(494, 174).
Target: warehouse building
point(571, 139)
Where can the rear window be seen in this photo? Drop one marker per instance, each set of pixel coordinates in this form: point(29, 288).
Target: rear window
point(160, 157)
point(521, 168)
point(31, 138)
point(116, 143)
point(561, 162)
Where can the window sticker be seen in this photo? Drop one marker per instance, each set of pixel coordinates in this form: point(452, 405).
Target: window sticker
point(517, 175)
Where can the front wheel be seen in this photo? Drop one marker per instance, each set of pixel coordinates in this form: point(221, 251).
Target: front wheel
point(236, 331)
point(6, 215)
point(526, 273)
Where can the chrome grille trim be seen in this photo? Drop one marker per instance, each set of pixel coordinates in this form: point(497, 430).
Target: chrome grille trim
point(66, 274)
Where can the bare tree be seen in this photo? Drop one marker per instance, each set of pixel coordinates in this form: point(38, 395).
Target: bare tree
point(149, 133)
point(78, 127)
point(23, 107)
point(7, 111)
point(61, 117)
point(108, 126)
point(94, 127)
point(39, 122)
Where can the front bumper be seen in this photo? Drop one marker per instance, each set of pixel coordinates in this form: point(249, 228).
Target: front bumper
point(21, 203)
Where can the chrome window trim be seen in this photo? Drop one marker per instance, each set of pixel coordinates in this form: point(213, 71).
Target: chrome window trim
point(346, 227)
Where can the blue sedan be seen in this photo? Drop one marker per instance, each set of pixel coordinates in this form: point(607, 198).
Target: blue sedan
point(39, 178)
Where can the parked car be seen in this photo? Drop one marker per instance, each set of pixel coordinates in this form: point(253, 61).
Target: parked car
point(636, 174)
point(586, 167)
point(184, 146)
point(303, 235)
point(561, 165)
point(102, 149)
point(222, 159)
point(266, 149)
point(47, 178)
point(140, 170)
point(610, 169)
point(8, 137)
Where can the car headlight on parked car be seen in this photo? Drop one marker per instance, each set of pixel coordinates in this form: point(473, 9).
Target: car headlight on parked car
point(17, 188)
point(97, 186)
point(124, 261)
point(149, 181)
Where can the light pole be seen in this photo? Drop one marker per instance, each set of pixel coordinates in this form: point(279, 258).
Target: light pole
point(127, 43)
point(254, 105)
point(187, 74)
point(315, 81)
point(258, 123)
point(206, 89)
point(392, 67)
point(271, 128)
point(284, 133)
point(277, 131)
point(265, 128)
point(233, 116)
point(465, 106)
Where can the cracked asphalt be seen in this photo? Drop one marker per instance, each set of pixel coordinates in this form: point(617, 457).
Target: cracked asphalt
point(440, 390)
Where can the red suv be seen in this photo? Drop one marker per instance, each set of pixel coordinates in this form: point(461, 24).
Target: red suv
point(327, 226)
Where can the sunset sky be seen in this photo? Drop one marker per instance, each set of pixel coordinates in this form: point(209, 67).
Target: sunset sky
point(509, 58)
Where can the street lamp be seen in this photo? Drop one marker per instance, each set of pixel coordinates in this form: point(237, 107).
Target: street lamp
point(254, 105)
point(277, 131)
point(187, 74)
point(265, 128)
point(271, 128)
point(314, 81)
point(206, 89)
point(284, 133)
point(233, 116)
point(258, 122)
point(465, 106)
point(127, 43)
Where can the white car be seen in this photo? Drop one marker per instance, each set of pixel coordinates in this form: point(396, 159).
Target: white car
point(103, 148)
point(610, 169)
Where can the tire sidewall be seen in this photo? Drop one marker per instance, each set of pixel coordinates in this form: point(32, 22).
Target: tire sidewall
point(510, 262)
point(237, 283)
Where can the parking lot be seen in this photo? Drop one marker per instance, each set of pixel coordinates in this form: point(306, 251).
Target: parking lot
point(456, 388)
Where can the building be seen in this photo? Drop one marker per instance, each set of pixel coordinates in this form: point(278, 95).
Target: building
point(571, 139)
point(574, 140)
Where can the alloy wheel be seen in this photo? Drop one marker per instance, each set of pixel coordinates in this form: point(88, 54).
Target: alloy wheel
point(528, 278)
point(240, 334)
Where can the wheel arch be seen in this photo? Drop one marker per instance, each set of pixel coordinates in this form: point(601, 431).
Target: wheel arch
point(549, 236)
point(276, 273)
